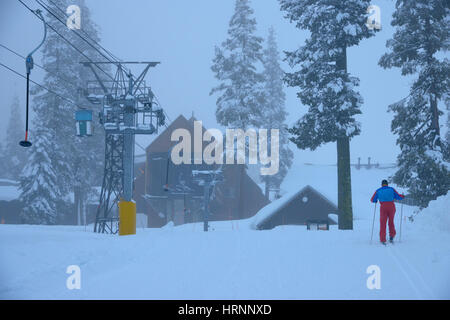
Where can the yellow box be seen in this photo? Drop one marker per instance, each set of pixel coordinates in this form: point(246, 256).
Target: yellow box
point(127, 218)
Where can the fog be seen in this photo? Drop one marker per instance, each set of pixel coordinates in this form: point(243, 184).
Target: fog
point(182, 35)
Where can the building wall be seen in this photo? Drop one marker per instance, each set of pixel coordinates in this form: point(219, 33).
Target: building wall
point(252, 197)
point(10, 211)
point(237, 197)
point(298, 212)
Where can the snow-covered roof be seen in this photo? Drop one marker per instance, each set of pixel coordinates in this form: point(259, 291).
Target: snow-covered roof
point(272, 208)
point(9, 193)
point(334, 217)
point(8, 182)
point(140, 158)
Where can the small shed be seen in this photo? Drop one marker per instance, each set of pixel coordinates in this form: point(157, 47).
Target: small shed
point(305, 207)
point(10, 205)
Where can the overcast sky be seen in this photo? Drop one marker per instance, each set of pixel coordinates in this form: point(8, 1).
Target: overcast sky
point(182, 35)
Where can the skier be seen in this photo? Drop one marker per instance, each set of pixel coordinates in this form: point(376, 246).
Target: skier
point(386, 195)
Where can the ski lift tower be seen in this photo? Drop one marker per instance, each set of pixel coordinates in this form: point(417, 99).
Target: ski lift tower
point(128, 108)
point(208, 179)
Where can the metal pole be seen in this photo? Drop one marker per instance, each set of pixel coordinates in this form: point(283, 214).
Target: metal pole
point(401, 221)
point(205, 209)
point(28, 103)
point(128, 147)
point(127, 208)
point(373, 221)
point(128, 157)
point(25, 143)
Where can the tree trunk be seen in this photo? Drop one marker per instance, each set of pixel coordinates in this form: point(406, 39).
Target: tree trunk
point(77, 203)
point(343, 167)
point(344, 184)
point(239, 193)
point(83, 209)
point(433, 99)
point(266, 189)
point(435, 121)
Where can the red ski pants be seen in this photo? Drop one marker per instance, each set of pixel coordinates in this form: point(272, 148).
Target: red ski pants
point(387, 213)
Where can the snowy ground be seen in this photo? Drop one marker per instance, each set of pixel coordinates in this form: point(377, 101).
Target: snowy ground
point(233, 261)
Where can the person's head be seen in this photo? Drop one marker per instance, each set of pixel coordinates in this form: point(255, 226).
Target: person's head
point(384, 183)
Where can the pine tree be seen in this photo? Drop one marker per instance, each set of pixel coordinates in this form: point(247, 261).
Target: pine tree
point(274, 112)
point(14, 156)
point(325, 85)
point(76, 163)
point(86, 153)
point(235, 66)
point(39, 182)
point(447, 136)
point(421, 35)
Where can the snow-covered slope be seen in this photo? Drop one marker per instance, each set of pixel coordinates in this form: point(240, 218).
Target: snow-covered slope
point(9, 190)
point(436, 216)
point(233, 261)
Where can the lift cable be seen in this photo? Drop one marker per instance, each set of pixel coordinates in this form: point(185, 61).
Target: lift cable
point(115, 61)
point(32, 11)
point(81, 37)
point(94, 44)
point(70, 43)
point(86, 34)
point(38, 84)
point(46, 70)
point(52, 92)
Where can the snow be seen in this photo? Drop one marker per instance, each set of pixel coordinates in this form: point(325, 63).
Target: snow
point(351, 30)
point(333, 217)
point(233, 261)
point(7, 182)
point(8, 193)
point(436, 216)
point(266, 212)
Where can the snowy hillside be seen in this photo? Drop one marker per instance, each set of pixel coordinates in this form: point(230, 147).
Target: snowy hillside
point(233, 261)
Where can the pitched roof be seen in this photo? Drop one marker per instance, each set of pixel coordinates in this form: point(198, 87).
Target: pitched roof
point(275, 206)
point(163, 143)
point(160, 143)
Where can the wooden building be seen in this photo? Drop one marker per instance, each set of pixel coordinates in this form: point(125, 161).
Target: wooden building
point(236, 197)
point(10, 204)
point(305, 207)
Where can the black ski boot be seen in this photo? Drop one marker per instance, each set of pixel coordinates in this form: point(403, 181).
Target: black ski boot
point(391, 240)
point(383, 243)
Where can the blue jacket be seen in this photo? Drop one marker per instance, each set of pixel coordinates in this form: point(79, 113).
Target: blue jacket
point(386, 194)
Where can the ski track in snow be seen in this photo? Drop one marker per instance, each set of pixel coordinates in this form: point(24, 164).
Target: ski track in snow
point(233, 261)
point(405, 273)
point(186, 263)
point(405, 266)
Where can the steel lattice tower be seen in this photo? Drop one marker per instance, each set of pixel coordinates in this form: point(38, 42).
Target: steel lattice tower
point(128, 109)
point(112, 186)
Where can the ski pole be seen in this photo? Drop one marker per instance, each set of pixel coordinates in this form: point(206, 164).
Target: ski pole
point(373, 221)
point(401, 221)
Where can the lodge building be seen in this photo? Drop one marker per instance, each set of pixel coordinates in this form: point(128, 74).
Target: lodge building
point(236, 197)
